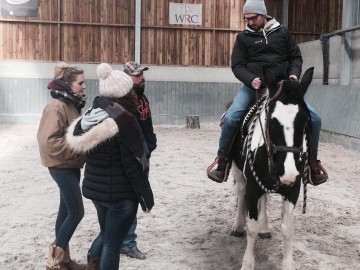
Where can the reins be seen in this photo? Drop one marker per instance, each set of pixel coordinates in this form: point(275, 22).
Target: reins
point(265, 134)
point(260, 108)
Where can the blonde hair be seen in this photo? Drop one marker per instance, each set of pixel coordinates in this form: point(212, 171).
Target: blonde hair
point(66, 73)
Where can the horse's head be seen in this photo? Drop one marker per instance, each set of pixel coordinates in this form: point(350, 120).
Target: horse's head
point(287, 120)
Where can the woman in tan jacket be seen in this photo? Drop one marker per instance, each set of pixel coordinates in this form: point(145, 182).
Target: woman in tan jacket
point(67, 91)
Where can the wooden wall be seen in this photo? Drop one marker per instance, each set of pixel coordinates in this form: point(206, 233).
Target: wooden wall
point(75, 31)
point(308, 19)
point(207, 45)
point(93, 31)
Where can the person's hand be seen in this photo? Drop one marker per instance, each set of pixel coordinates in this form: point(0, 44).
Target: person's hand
point(146, 200)
point(256, 83)
point(293, 78)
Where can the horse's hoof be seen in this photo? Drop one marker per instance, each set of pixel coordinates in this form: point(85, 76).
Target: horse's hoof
point(237, 234)
point(265, 235)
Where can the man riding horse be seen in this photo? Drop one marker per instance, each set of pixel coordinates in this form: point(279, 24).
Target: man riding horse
point(264, 42)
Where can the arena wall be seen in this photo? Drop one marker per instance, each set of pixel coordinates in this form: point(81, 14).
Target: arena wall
point(175, 92)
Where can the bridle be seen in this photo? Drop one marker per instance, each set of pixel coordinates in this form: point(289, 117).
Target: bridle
point(271, 148)
point(262, 105)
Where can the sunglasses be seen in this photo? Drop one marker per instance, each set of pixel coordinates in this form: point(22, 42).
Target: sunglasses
point(253, 18)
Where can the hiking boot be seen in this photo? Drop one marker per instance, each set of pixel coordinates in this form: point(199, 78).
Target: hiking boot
point(318, 174)
point(217, 176)
point(317, 179)
point(221, 173)
point(134, 253)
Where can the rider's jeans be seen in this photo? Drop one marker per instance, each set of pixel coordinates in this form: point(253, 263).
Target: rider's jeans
point(232, 119)
point(237, 110)
point(316, 127)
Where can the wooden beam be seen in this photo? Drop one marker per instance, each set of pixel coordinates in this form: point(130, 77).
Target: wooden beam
point(285, 13)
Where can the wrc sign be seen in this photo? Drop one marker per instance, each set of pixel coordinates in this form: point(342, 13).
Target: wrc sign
point(185, 14)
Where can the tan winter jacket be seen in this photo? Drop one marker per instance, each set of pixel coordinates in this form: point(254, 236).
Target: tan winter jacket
point(54, 151)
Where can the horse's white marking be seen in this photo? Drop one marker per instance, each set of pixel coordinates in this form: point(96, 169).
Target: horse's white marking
point(304, 145)
point(240, 190)
point(286, 114)
point(253, 228)
point(287, 229)
point(257, 138)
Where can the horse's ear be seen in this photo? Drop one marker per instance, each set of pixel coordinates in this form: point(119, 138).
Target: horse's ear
point(307, 78)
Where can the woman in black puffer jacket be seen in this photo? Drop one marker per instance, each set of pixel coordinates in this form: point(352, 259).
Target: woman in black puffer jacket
point(116, 171)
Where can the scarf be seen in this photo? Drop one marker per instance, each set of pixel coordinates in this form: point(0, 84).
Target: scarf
point(59, 89)
point(129, 129)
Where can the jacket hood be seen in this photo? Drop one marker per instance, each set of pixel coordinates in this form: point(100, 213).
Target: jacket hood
point(91, 138)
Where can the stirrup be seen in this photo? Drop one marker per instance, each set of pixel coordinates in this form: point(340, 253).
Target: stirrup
point(322, 168)
point(322, 171)
point(226, 172)
point(212, 165)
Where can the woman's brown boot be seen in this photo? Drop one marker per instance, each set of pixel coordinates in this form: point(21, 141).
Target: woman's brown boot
point(72, 265)
point(56, 258)
point(93, 264)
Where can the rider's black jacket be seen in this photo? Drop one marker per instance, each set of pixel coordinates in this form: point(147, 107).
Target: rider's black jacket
point(272, 47)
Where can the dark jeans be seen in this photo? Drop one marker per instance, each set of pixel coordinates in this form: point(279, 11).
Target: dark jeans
point(232, 119)
point(130, 239)
point(115, 220)
point(129, 242)
point(71, 208)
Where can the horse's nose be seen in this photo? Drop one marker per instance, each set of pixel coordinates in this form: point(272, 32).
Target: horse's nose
point(289, 178)
point(287, 182)
point(290, 173)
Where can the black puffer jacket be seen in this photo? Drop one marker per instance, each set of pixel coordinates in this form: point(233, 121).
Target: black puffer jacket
point(116, 164)
point(110, 168)
point(273, 47)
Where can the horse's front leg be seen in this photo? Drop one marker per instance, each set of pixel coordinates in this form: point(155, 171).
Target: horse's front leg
point(264, 232)
point(253, 227)
point(287, 228)
point(238, 228)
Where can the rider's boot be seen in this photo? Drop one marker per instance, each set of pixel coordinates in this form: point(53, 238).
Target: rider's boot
point(318, 174)
point(221, 173)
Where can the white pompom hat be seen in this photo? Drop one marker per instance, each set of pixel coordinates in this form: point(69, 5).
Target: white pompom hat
point(113, 83)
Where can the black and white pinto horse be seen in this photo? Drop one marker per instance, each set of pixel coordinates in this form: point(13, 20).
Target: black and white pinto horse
point(272, 159)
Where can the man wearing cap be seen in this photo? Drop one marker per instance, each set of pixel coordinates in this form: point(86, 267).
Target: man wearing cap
point(264, 42)
point(143, 116)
